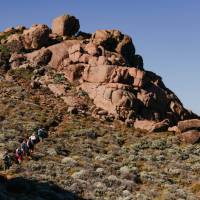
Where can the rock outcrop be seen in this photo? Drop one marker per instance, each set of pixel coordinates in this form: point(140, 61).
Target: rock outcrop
point(106, 67)
point(188, 130)
point(191, 137)
point(151, 126)
point(114, 40)
point(189, 125)
point(65, 25)
point(36, 37)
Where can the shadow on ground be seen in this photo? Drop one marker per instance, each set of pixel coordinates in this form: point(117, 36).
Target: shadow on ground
point(25, 189)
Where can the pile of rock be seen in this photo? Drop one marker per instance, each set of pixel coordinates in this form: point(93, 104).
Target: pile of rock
point(188, 130)
point(34, 38)
point(106, 67)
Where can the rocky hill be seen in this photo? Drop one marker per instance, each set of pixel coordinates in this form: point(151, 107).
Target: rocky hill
point(98, 101)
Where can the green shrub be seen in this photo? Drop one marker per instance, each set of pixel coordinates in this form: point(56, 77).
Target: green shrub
point(7, 34)
point(22, 73)
point(4, 50)
point(4, 57)
point(58, 78)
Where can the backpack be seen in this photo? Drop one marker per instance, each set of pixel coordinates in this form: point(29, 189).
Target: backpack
point(40, 132)
point(24, 146)
point(19, 152)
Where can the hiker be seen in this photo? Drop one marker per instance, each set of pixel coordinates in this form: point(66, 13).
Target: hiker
point(41, 133)
point(25, 149)
point(7, 160)
point(34, 138)
point(19, 155)
point(30, 145)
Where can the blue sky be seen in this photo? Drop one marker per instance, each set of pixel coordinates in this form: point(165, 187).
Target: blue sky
point(165, 33)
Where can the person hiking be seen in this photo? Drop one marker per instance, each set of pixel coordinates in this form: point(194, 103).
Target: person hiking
point(7, 160)
point(41, 133)
point(34, 138)
point(19, 155)
point(24, 148)
point(30, 145)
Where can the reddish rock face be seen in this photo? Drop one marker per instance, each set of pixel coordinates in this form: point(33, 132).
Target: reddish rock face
point(151, 126)
point(92, 49)
point(65, 25)
point(57, 89)
point(60, 52)
point(173, 129)
point(119, 90)
point(15, 42)
point(191, 137)
point(36, 37)
point(106, 68)
point(115, 98)
point(41, 57)
point(114, 40)
point(73, 72)
point(73, 101)
point(114, 74)
point(189, 124)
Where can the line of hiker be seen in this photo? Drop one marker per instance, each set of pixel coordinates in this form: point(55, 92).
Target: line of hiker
point(25, 149)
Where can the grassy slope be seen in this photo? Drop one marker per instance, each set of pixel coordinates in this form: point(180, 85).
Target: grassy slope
point(168, 169)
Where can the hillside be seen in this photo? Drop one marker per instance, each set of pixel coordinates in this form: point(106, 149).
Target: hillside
point(115, 130)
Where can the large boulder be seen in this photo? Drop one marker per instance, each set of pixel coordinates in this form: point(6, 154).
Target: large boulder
point(114, 40)
point(115, 98)
point(16, 60)
point(189, 125)
point(191, 137)
point(65, 25)
point(41, 57)
point(92, 49)
point(73, 72)
point(126, 49)
point(75, 52)
point(36, 37)
point(109, 39)
point(151, 126)
point(59, 52)
point(114, 74)
point(15, 43)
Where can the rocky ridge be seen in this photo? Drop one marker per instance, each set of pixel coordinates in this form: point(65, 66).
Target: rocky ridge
point(103, 64)
point(64, 79)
